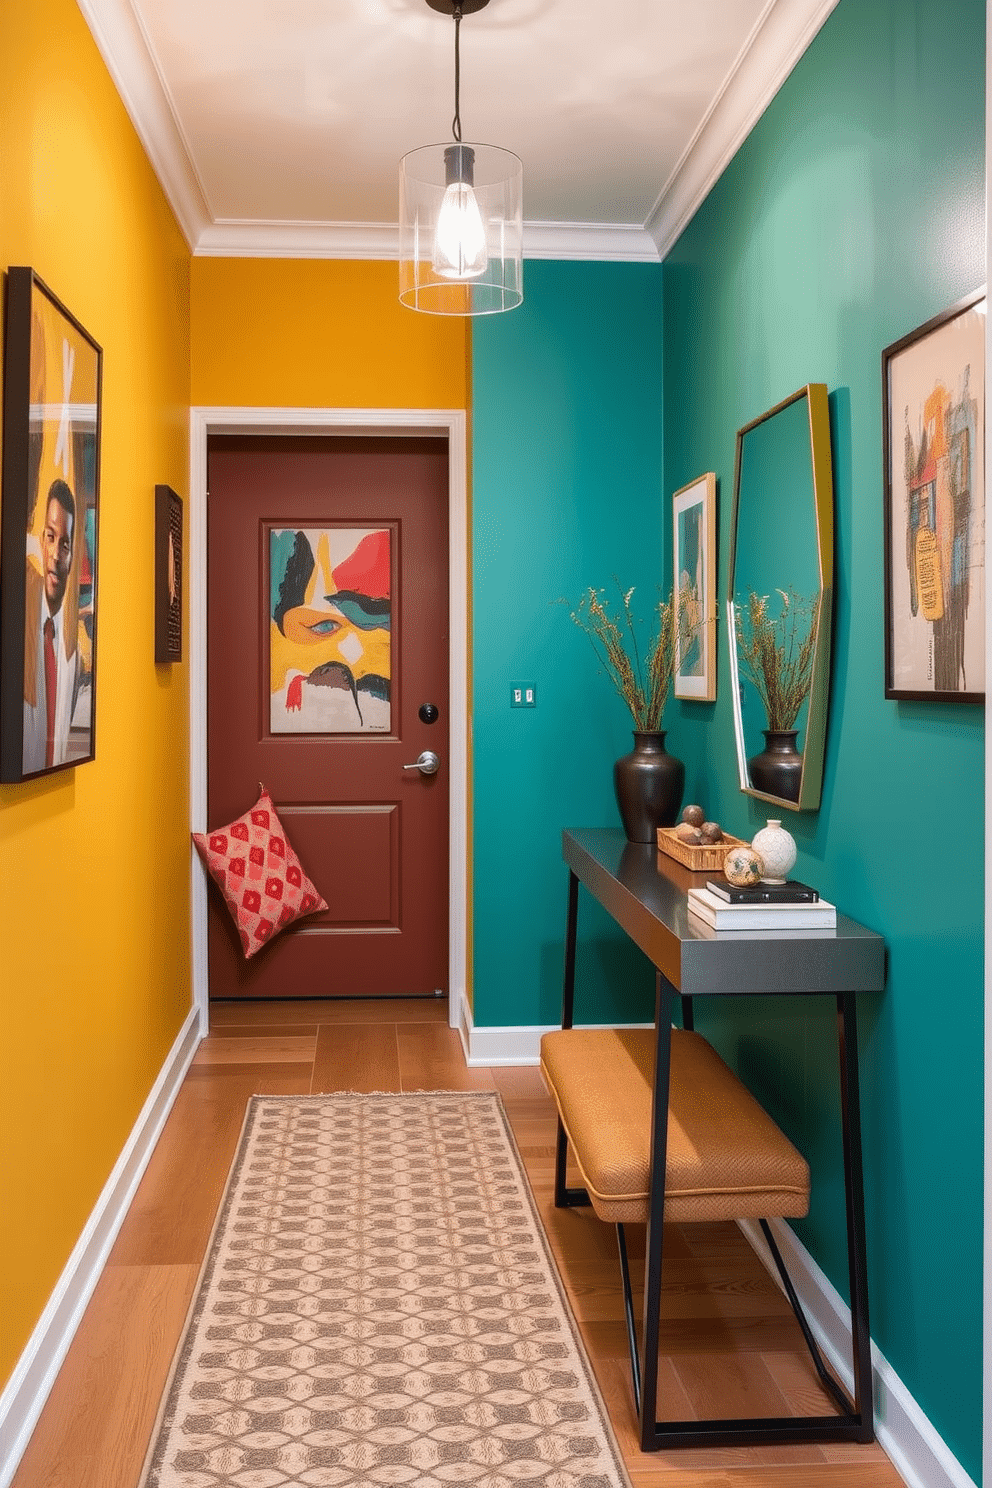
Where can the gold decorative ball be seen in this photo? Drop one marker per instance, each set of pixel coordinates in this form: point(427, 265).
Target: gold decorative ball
point(743, 866)
point(694, 815)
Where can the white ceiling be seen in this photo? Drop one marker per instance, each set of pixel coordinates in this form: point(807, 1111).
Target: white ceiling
point(276, 126)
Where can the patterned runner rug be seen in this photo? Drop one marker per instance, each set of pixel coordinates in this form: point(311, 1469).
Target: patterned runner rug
point(379, 1306)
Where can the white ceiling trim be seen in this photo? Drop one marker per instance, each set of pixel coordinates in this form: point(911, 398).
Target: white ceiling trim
point(623, 243)
point(124, 47)
point(555, 240)
point(226, 239)
point(778, 40)
point(782, 33)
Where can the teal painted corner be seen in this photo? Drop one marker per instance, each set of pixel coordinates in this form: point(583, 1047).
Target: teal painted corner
point(567, 492)
point(852, 214)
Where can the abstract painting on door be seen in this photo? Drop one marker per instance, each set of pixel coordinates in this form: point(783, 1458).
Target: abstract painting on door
point(330, 659)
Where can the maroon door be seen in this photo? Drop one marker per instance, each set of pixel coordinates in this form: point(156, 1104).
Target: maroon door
point(327, 675)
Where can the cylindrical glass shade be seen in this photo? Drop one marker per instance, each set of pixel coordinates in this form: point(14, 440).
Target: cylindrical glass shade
point(461, 230)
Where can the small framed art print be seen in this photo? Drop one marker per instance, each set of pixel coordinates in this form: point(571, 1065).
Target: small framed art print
point(694, 586)
point(168, 575)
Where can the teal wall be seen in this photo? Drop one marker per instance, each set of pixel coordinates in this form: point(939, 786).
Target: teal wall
point(566, 493)
point(853, 213)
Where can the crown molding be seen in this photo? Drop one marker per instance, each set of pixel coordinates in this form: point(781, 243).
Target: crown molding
point(780, 36)
point(247, 239)
point(556, 240)
point(122, 43)
point(617, 242)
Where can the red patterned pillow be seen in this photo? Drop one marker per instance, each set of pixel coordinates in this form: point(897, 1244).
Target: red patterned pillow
point(259, 874)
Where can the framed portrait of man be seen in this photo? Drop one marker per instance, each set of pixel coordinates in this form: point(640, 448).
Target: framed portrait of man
point(48, 538)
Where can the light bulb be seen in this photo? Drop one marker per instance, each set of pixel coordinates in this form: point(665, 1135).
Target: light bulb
point(460, 237)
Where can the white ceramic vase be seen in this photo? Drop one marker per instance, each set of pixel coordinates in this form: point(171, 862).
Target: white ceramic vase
point(777, 849)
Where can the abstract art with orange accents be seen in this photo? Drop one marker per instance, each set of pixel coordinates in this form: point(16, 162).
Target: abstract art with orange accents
point(330, 659)
point(935, 531)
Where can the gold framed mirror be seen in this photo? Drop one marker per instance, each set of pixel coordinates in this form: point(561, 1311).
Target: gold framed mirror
point(780, 599)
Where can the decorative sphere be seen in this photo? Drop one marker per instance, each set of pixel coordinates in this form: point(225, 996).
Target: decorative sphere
point(777, 850)
point(694, 815)
point(742, 866)
point(712, 832)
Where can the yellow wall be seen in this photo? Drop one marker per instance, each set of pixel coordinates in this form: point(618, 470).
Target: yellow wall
point(94, 862)
point(319, 333)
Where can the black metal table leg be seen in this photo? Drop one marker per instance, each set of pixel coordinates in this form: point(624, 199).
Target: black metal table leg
point(565, 1197)
point(850, 1102)
point(654, 1244)
point(571, 926)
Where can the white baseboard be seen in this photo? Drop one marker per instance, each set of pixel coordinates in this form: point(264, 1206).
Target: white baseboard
point(494, 1046)
point(34, 1374)
point(511, 1045)
point(904, 1432)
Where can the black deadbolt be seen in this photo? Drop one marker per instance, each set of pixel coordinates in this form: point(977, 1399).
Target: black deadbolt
point(427, 713)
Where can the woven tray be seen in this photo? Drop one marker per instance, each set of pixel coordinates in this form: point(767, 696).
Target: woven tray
point(704, 858)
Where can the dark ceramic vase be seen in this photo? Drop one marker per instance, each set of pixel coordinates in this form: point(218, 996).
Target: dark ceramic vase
point(649, 783)
point(778, 769)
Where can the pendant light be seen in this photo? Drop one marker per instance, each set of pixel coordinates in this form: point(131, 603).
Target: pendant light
point(461, 216)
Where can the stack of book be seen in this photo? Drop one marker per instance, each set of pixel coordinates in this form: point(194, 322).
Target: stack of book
point(761, 906)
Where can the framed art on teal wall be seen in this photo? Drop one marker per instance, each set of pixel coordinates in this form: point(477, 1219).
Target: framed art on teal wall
point(933, 431)
point(694, 583)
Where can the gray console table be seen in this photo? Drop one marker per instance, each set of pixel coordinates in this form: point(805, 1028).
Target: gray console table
point(645, 893)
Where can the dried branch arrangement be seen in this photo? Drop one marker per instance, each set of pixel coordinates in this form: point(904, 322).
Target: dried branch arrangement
point(642, 677)
point(776, 652)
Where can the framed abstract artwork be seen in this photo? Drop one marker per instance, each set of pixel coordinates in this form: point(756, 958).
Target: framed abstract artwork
point(168, 575)
point(330, 652)
point(933, 449)
point(48, 537)
point(694, 585)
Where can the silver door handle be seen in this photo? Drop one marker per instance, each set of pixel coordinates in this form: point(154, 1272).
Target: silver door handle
point(428, 763)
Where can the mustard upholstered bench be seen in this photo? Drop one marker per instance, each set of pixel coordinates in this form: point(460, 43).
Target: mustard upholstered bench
point(726, 1159)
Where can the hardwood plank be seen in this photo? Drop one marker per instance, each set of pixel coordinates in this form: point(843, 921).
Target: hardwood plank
point(852, 1455)
point(234, 1083)
point(98, 1420)
point(685, 1474)
point(356, 1056)
point(172, 1215)
point(674, 1404)
point(522, 1082)
point(594, 1286)
point(273, 1031)
point(577, 1233)
point(796, 1376)
point(732, 1386)
point(282, 1048)
point(431, 1058)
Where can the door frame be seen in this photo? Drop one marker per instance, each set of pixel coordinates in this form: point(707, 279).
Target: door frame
point(428, 423)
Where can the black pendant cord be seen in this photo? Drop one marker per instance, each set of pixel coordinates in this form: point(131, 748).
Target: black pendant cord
point(456, 123)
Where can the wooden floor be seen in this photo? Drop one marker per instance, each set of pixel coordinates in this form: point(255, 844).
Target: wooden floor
point(732, 1346)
